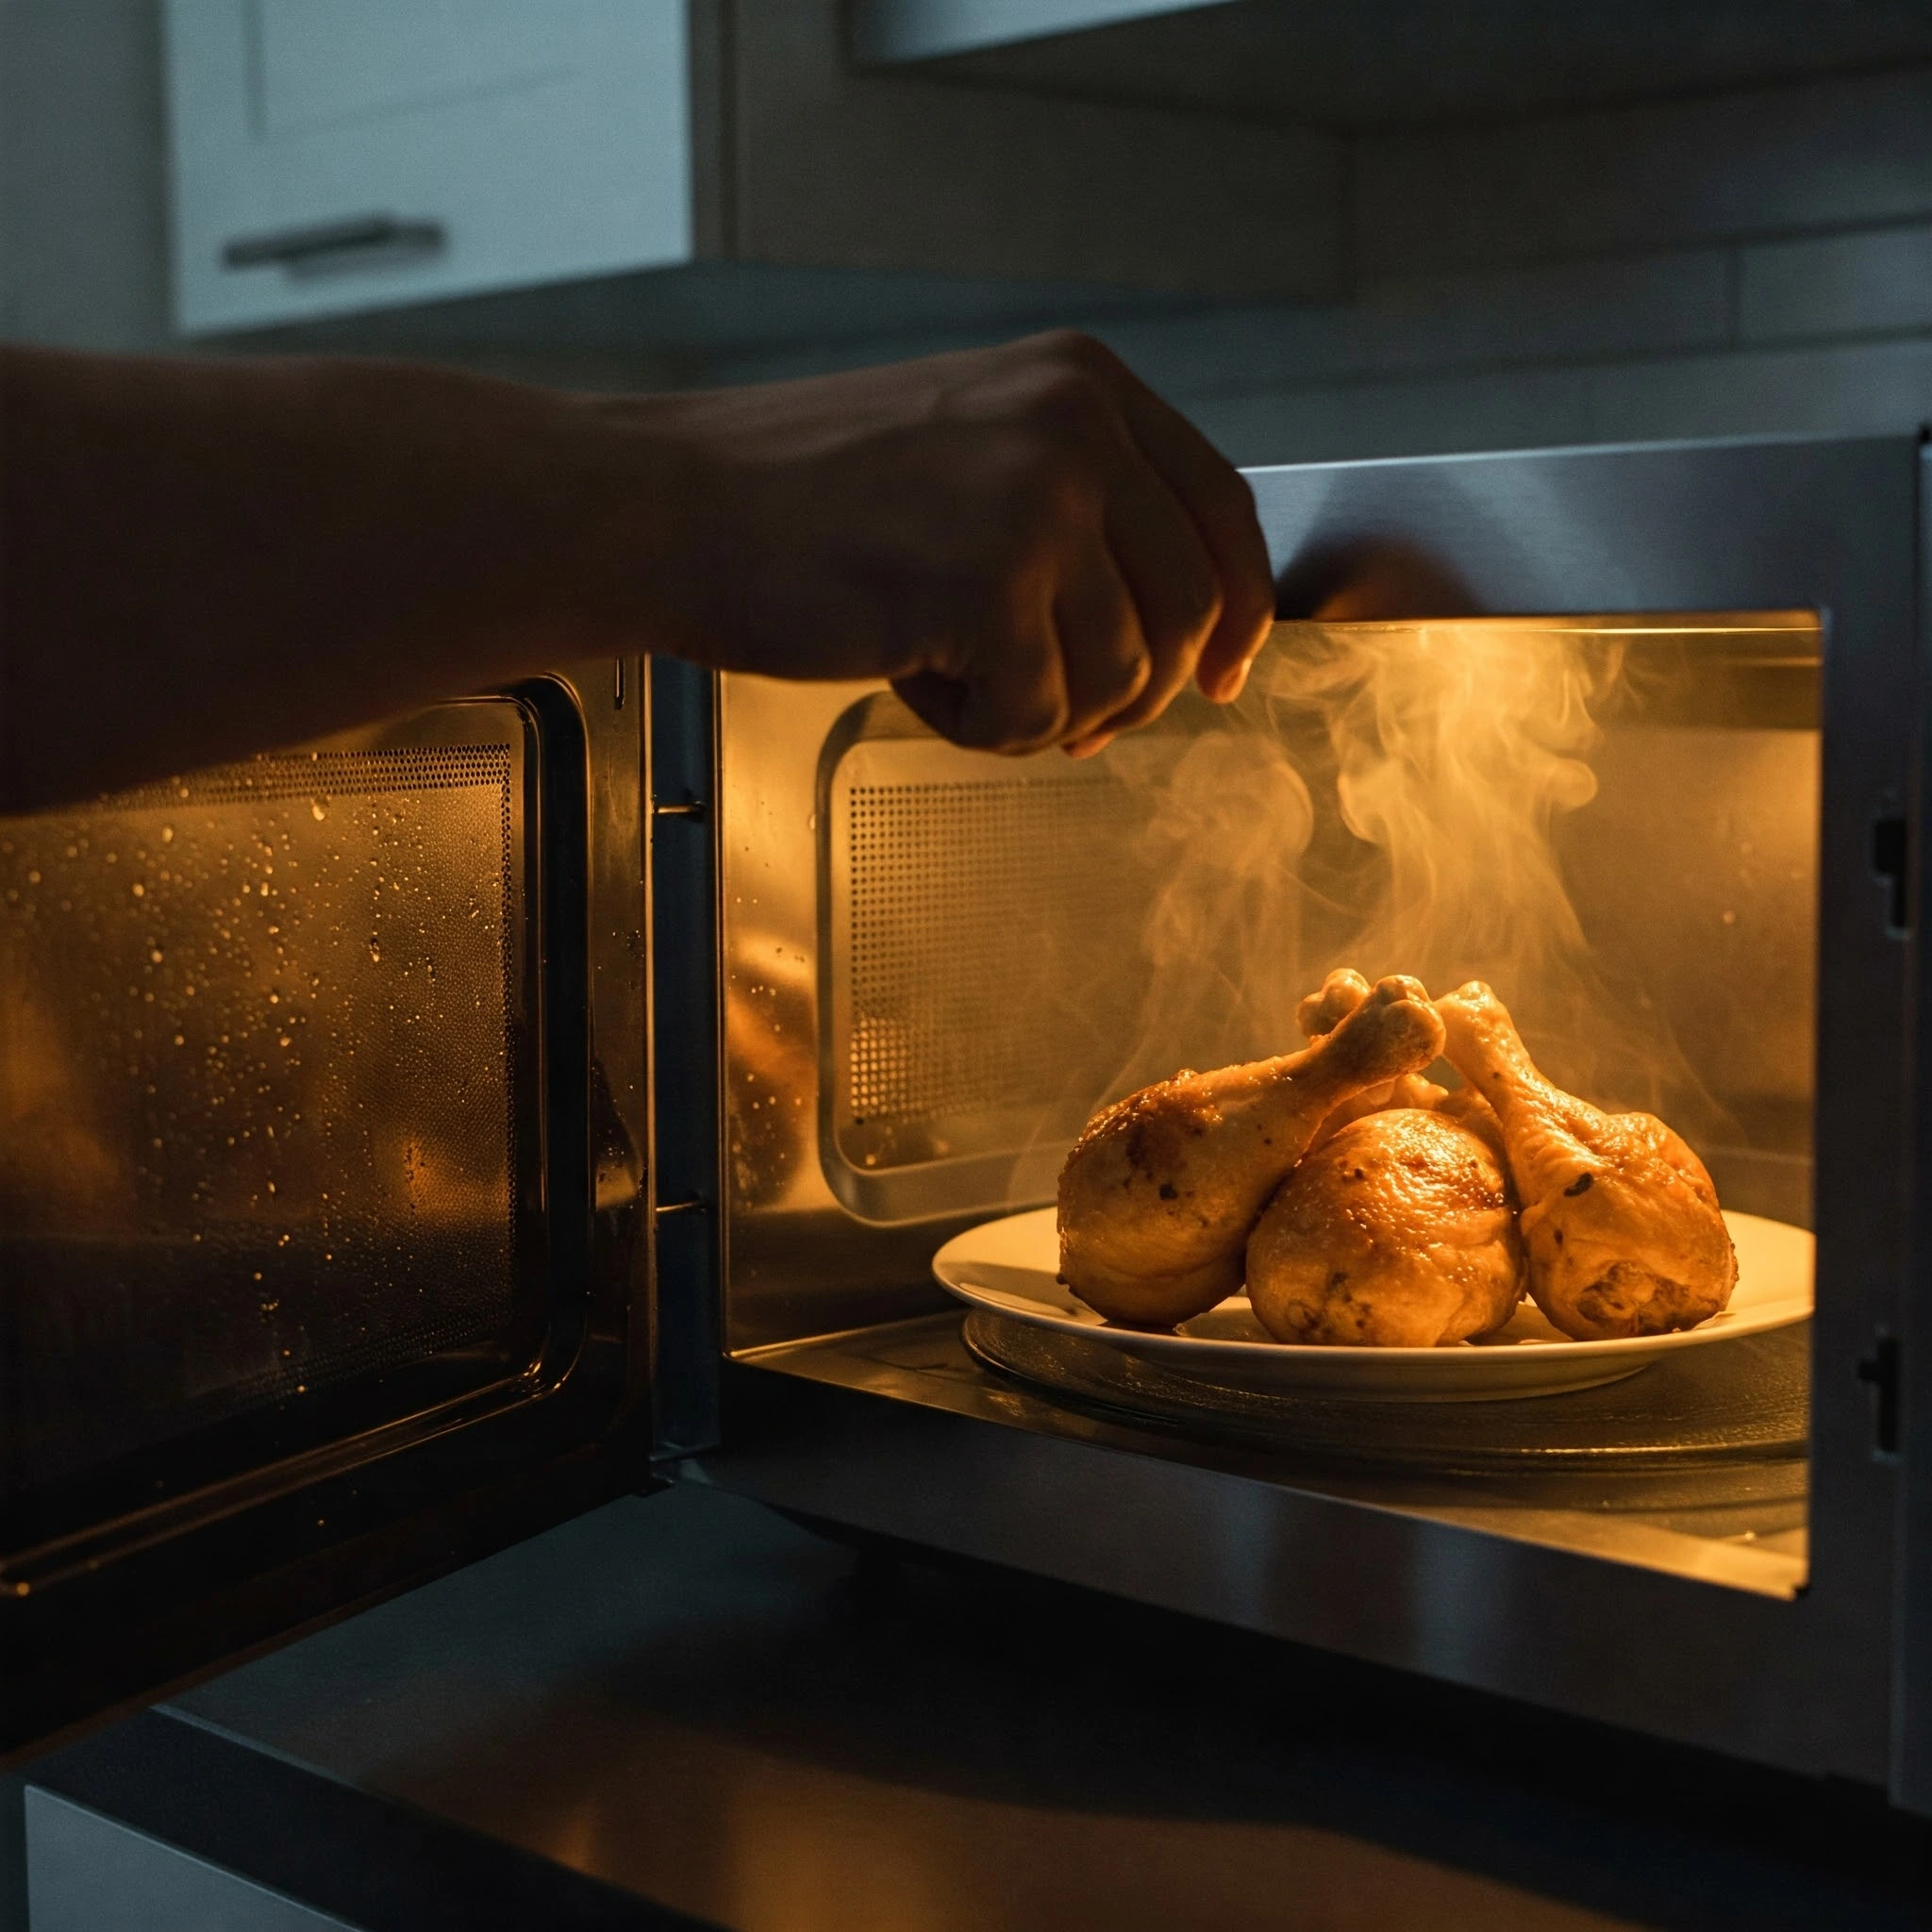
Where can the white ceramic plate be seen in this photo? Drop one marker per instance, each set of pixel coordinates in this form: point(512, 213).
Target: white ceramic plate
point(1009, 1266)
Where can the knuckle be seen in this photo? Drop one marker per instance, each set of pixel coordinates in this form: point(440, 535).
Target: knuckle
point(1128, 682)
point(1228, 495)
point(1220, 494)
point(1103, 684)
point(1037, 488)
point(1192, 608)
point(1066, 403)
point(1080, 351)
point(1031, 726)
point(1250, 604)
point(1204, 607)
point(1143, 708)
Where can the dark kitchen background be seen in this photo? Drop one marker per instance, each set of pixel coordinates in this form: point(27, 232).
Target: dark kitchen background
point(1385, 228)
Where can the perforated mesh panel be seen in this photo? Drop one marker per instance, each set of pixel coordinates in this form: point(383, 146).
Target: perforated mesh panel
point(258, 1111)
point(320, 774)
point(963, 898)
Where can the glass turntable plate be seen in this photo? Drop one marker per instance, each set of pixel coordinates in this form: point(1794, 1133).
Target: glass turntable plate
point(1009, 1266)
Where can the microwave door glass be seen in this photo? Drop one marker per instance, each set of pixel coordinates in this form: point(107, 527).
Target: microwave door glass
point(296, 1268)
point(260, 1099)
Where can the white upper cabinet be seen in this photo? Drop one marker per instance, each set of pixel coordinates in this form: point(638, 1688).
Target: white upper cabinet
point(334, 154)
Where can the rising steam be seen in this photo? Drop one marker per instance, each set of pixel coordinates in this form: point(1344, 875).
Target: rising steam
point(1387, 796)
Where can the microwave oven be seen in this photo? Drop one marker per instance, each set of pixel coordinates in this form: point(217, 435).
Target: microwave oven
point(413, 1139)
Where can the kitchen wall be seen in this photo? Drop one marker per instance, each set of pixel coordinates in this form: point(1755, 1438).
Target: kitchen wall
point(1756, 262)
point(83, 212)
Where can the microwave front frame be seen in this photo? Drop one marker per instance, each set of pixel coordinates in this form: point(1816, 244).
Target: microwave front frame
point(119, 1610)
point(1835, 1681)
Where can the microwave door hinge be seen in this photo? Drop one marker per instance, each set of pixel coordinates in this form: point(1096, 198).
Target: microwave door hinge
point(1892, 867)
point(1879, 1370)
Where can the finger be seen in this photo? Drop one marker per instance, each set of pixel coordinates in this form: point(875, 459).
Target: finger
point(1104, 662)
point(1176, 588)
point(1010, 697)
point(1217, 498)
point(936, 701)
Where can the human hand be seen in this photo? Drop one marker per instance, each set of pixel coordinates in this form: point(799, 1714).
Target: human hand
point(1028, 543)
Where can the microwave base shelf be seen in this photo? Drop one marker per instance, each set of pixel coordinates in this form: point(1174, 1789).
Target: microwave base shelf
point(1532, 1585)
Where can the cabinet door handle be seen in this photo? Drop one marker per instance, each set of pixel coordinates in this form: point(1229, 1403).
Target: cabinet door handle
point(324, 247)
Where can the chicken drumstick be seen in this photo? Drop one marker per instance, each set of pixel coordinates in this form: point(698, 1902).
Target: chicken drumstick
point(1157, 1196)
point(1619, 1216)
point(1398, 1231)
point(1397, 1228)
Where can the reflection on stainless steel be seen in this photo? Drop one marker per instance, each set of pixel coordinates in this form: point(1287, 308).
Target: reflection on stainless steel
point(1715, 863)
point(1650, 1481)
point(256, 1126)
point(1744, 1402)
point(691, 1700)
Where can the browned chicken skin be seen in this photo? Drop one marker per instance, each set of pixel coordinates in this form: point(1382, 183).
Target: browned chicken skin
point(1399, 1231)
point(1159, 1192)
point(1619, 1217)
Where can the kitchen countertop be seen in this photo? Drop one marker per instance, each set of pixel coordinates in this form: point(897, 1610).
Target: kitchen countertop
point(695, 1705)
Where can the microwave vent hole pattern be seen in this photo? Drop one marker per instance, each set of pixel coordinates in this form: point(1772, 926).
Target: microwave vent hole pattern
point(258, 1097)
point(966, 901)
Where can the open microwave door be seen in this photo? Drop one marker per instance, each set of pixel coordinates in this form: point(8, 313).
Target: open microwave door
point(323, 1205)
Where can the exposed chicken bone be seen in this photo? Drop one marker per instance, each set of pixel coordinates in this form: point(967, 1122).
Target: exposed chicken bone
point(1159, 1192)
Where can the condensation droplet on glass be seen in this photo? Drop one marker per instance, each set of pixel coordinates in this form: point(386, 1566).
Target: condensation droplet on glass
point(1730, 917)
point(139, 890)
point(374, 950)
point(317, 811)
point(167, 835)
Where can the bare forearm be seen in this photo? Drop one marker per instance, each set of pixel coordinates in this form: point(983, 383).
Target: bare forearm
point(199, 559)
point(202, 558)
